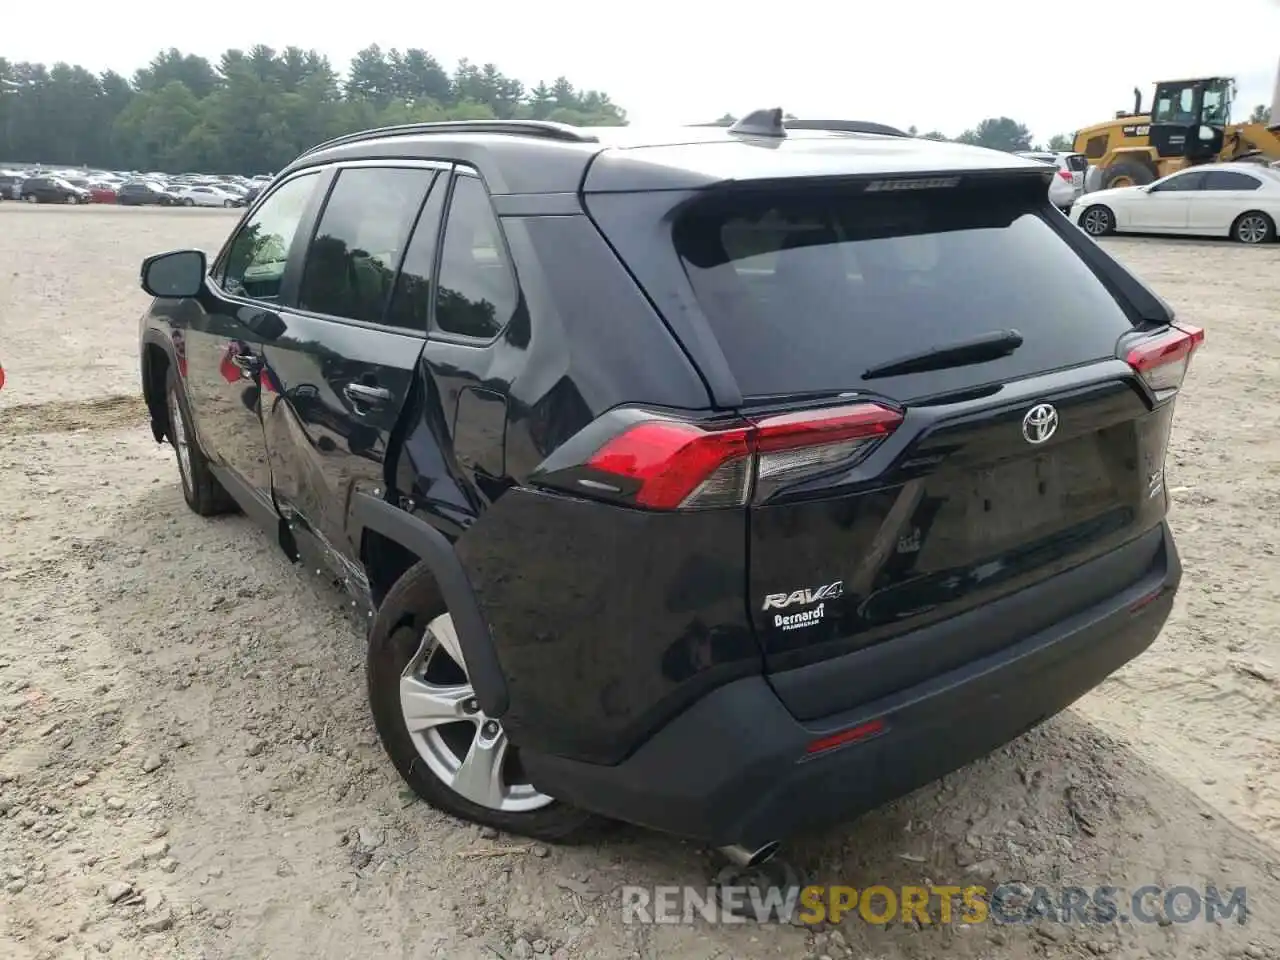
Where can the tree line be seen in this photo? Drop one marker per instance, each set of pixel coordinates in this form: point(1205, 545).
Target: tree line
point(255, 110)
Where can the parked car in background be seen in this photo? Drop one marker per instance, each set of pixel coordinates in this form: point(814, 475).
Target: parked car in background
point(1069, 185)
point(1237, 200)
point(102, 192)
point(11, 186)
point(205, 196)
point(141, 193)
point(52, 190)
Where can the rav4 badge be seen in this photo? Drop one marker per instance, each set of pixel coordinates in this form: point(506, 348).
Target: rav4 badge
point(779, 601)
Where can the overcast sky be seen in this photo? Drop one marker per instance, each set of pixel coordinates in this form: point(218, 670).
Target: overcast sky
point(935, 64)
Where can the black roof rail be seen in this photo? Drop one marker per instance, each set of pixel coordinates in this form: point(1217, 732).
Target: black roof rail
point(772, 122)
point(544, 129)
point(846, 126)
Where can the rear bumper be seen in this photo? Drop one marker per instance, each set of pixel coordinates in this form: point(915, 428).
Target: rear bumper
point(733, 768)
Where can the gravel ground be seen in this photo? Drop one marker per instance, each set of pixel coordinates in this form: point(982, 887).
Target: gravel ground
point(187, 766)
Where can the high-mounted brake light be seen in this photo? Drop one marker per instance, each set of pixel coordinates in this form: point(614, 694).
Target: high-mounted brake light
point(912, 183)
point(666, 464)
point(1162, 360)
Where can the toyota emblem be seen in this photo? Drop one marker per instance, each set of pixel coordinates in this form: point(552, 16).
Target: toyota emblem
point(1040, 423)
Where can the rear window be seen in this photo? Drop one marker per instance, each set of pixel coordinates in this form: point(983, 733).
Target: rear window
point(806, 292)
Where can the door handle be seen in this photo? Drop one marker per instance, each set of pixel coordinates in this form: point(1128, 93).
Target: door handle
point(248, 363)
point(361, 394)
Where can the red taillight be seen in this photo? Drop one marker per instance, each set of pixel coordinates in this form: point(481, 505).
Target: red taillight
point(671, 460)
point(1066, 175)
point(665, 464)
point(863, 731)
point(1162, 360)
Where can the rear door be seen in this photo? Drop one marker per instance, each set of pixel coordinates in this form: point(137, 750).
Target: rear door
point(342, 364)
point(1002, 471)
point(1226, 195)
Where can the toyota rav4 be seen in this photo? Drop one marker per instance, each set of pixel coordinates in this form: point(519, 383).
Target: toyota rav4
point(728, 481)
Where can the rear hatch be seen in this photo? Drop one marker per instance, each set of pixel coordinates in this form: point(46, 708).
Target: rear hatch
point(894, 489)
point(1078, 165)
point(1026, 455)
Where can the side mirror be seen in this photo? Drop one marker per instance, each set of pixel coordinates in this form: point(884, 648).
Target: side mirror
point(174, 275)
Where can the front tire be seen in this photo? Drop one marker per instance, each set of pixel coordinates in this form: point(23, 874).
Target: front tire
point(1253, 227)
point(1098, 221)
point(204, 495)
point(432, 728)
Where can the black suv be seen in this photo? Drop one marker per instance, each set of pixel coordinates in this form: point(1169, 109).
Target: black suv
point(728, 483)
point(143, 193)
point(52, 190)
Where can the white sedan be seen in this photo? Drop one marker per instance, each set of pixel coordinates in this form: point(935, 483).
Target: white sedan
point(1237, 200)
point(206, 197)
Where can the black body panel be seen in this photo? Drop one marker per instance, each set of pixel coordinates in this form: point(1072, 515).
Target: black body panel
point(607, 622)
point(733, 768)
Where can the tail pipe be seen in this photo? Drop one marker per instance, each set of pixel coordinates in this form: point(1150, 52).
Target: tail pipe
point(747, 858)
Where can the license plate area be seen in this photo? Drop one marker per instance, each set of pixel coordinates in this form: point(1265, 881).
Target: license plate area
point(1013, 501)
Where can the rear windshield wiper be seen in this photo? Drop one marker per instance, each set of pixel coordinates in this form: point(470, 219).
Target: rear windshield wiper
point(980, 349)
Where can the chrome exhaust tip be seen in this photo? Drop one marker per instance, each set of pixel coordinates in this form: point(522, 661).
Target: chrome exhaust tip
point(745, 858)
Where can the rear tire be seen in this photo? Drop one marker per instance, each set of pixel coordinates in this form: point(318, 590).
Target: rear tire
point(203, 493)
point(412, 636)
point(1098, 221)
point(1128, 173)
point(1253, 227)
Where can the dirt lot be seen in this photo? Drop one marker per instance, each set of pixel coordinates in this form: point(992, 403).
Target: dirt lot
point(187, 768)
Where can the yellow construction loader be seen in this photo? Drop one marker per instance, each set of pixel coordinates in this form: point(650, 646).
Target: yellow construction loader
point(1189, 122)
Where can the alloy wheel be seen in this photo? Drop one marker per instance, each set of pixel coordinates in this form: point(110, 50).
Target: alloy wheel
point(180, 442)
point(1252, 229)
point(1096, 222)
point(464, 749)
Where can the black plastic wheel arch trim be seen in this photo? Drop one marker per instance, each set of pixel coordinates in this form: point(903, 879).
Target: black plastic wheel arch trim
point(431, 546)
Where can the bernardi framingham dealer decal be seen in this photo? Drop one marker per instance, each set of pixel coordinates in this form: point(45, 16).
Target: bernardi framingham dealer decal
point(802, 598)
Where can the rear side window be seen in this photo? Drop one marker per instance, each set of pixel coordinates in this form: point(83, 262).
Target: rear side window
point(477, 289)
point(807, 292)
point(1229, 180)
point(351, 262)
point(411, 302)
point(1077, 162)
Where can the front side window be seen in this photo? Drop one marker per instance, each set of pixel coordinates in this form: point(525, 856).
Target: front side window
point(255, 261)
point(351, 263)
point(1180, 183)
point(477, 292)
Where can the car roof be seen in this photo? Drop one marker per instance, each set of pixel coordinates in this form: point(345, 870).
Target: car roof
point(1256, 169)
point(535, 158)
